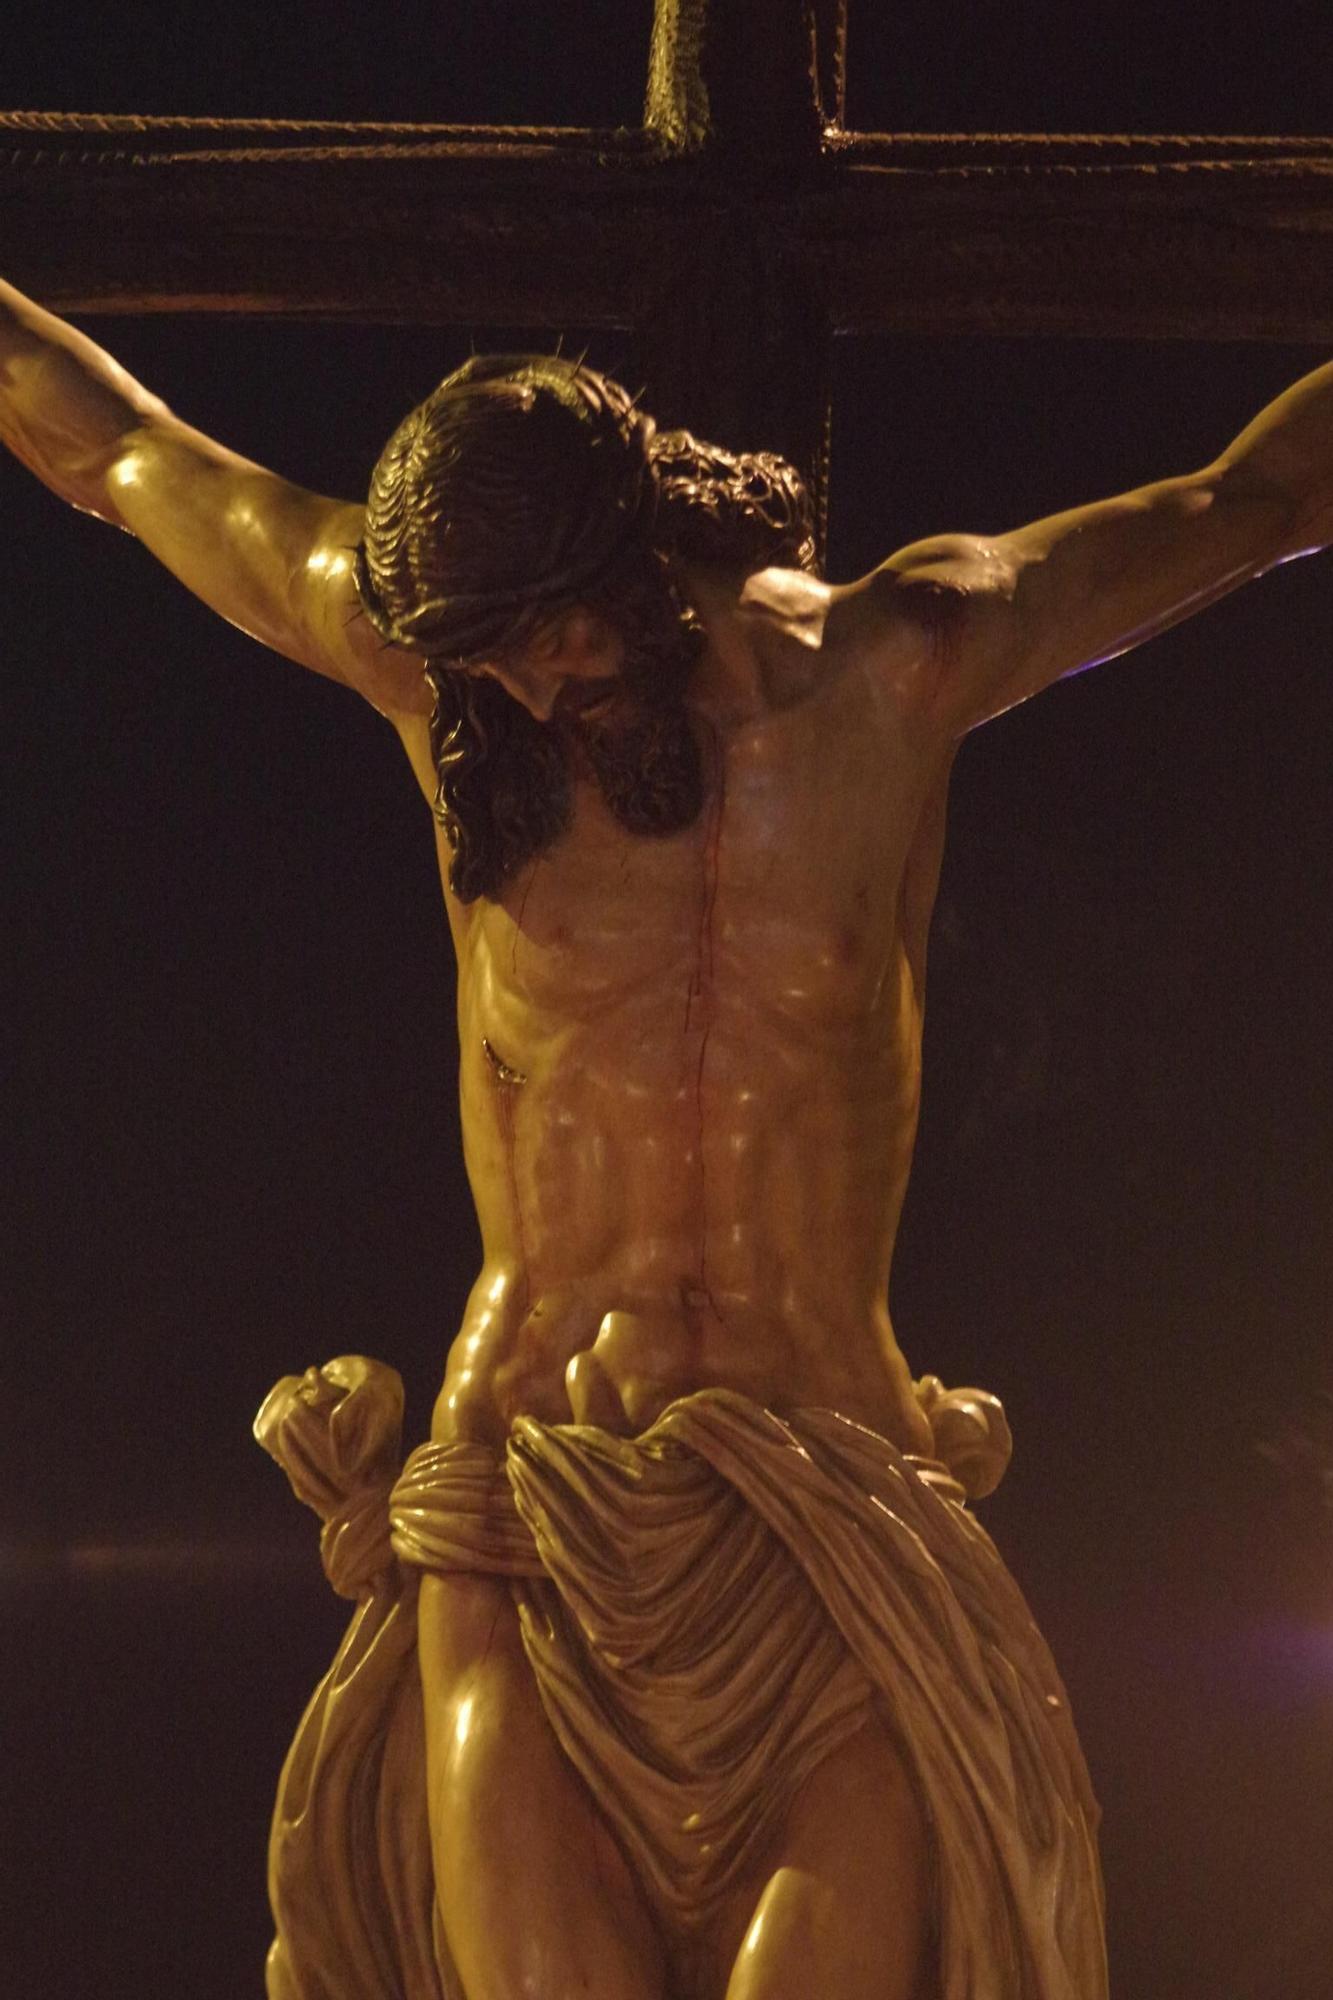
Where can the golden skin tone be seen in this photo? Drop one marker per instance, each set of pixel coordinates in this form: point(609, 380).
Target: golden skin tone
point(690, 1072)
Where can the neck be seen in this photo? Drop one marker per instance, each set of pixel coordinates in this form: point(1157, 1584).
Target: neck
point(727, 685)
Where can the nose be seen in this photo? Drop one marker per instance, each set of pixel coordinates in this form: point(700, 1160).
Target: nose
point(529, 685)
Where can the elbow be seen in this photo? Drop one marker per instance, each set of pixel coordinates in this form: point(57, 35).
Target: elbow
point(112, 488)
point(1281, 507)
point(118, 477)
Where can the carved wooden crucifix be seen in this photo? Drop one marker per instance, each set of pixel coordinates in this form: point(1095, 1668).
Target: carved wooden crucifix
point(735, 234)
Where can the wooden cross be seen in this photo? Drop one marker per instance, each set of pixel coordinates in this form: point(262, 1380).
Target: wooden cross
point(734, 234)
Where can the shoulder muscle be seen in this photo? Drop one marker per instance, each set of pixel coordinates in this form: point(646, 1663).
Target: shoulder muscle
point(272, 558)
point(927, 610)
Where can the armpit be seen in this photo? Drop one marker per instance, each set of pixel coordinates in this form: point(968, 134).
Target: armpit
point(947, 604)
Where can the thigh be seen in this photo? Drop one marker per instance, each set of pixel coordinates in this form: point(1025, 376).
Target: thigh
point(845, 1911)
point(534, 1895)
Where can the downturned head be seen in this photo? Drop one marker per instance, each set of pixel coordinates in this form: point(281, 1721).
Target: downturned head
point(524, 487)
point(514, 486)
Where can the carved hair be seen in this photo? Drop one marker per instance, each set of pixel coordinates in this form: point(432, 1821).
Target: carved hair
point(524, 486)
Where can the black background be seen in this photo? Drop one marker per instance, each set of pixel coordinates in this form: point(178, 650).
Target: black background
point(231, 1049)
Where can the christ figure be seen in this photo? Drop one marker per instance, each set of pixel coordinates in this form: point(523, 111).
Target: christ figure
point(722, 1692)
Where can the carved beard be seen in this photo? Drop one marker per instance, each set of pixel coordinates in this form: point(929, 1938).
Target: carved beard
point(506, 780)
point(645, 762)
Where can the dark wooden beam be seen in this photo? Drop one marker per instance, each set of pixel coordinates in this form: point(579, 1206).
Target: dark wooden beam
point(735, 233)
point(737, 93)
point(1155, 238)
point(437, 225)
point(1150, 238)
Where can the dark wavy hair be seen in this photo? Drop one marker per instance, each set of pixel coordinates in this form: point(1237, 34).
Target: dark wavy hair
point(525, 486)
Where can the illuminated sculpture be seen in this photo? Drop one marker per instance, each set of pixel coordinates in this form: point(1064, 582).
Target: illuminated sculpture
point(679, 1664)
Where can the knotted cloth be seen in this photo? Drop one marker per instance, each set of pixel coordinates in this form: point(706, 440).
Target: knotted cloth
point(707, 1610)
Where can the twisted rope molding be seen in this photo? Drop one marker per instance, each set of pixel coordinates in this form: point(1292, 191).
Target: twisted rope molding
point(86, 140)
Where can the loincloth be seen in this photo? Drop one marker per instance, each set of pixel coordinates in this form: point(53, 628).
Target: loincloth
point(708, 1610)
point(683, 1659)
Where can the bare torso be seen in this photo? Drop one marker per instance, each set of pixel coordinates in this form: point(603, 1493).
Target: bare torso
point(689, 1076)
point(690, 1072)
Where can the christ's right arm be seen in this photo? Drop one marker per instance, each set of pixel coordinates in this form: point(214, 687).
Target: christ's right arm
point(270, 557)
point(973, 624)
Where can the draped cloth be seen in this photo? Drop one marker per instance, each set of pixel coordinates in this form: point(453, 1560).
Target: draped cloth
point(708, 1610)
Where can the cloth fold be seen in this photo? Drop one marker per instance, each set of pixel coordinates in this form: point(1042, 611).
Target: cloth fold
point(708, 1610)
point(350, 1877)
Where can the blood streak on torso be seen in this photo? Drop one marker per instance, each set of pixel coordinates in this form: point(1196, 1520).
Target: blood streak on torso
point(689, 1085)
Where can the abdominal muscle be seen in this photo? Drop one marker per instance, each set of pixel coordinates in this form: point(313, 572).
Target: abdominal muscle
point(648, 1237)
point(563, 1359)
point(689, 1081)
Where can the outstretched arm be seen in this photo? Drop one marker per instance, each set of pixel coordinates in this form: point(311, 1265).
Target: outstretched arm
point(975, 625)
point(270, 557)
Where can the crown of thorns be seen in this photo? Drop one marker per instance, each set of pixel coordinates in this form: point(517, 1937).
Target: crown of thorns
point(521, 481)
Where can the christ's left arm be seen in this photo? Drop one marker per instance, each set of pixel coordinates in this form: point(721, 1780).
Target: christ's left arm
point(999, 619)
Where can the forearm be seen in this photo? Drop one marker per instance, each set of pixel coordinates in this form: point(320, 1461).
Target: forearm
point(66, 408)
point(1015, 612)
point(1285, 459)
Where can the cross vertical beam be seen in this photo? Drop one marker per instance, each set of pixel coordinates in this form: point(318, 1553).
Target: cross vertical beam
point(736, 341)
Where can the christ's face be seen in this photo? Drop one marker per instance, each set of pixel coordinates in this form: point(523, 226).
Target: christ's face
point(616, 707)
point(572, 669)
point(585, 696)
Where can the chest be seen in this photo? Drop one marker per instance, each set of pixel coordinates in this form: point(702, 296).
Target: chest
point(783, 895)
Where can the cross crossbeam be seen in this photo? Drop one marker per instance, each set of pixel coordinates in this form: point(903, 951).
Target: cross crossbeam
point(734, 233)
point(1211, 238)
